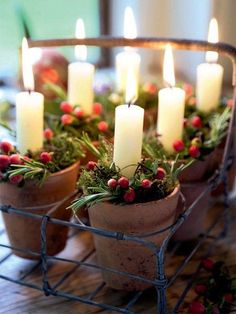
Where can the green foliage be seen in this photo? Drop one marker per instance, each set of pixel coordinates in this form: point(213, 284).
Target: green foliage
point(94, 182)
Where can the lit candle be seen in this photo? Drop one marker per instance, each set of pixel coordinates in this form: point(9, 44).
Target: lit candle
point(129, 58)
point(128, 131)
point(81, 75)
point(209, 76)
point(170, 106)
point(29, 109)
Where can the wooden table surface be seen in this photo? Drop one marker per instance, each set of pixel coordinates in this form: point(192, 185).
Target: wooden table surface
point(18, 299)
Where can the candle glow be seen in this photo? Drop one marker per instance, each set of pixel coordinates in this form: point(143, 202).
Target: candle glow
point(130, 29)
point(80, 50)
point(170, 106)
point(27, 70)
point(213, 37)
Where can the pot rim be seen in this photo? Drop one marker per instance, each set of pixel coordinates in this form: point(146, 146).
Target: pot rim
point(67, 169)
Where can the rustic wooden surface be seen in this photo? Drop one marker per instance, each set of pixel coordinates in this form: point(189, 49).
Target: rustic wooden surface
point(17, 299)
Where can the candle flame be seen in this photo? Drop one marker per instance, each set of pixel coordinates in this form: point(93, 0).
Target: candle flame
point(80, 50)
point(130, 29)
point(213, 37)
point(27, 71)
point(131, 86)
point(168, 67)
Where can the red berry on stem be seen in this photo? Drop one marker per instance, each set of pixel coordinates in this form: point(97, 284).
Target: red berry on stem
point(66, 119)
point(97, 108)
point(146, 183)
point(91, 165)
point(160, 175)
point(207, 264)
point(4, 161)
point(200, 288)
point(196, 307)
point(48, 134)
point(6, 147)
point(228, 297)
point(16, 179)
point(79, 112)
point(112, 183)
point(194, 151)
point(103, 126)
point(129, 196)
point(15, 159)
point(178, 145)
point(123, 182)
point(45, 157)
point(66, 107)
point(230, 103)
point(196, 122)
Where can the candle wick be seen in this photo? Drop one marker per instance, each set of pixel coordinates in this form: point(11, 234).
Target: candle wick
point(29, 91)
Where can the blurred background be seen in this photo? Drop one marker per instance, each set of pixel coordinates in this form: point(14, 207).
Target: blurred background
point(164, 18)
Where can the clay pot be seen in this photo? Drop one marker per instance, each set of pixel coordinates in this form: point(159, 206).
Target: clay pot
point(194, 225)
point(24, 232)
point(89, 156)
point(130, 256)
point(198, 170)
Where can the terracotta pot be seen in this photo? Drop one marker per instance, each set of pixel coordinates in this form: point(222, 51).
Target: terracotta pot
point(130, 256)
point(195, 223)
point(198, 170)
point(23, 232)
point(89, 156)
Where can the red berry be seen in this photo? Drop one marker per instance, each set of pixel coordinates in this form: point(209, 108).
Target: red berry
point(6, 147)
point(79, 112)
point(48, 134)
point(178, 145)
point(160, 175)
point(26, 158)
point(200, 288)
point(16, 179)
point(45, 157)
point(66, 107)
point(230, 103)
point(207, 264)
point(129, 196)
point(196, 307)
point(146, 183)
point(112, 183)
point(15, 159)
point(194, 151)
point(66, 119)
point(91, 165)
point(123, 182)
point(103, 126)
point(228, 297)
point(4, 161)
point(97, 108)
point(196, 122)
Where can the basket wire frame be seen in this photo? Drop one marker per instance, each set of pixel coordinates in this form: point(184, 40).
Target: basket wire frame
point(161, 282)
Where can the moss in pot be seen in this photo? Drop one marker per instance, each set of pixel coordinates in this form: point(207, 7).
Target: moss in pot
point(36, 182)
point(144, 203)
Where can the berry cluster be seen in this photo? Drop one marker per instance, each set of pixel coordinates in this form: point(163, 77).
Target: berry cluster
point(127, 190)
point(74, 116)
point(215, 292)
point(10, 157)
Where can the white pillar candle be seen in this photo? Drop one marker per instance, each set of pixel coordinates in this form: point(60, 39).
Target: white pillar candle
point(209, 76)
point(129, 58)
point(128, 132)
point(29, 109)
point(171, 101)
point(81, 76)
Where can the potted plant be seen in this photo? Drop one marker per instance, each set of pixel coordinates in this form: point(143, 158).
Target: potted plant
point(202, 136)
point(144, 203)
point(35, 183)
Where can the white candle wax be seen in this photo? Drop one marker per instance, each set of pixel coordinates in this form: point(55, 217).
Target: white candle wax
point(170, 116)
point(29, 121)
point(124, 61)
point(209, 84)
point(128, 137)
point(80, 85)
